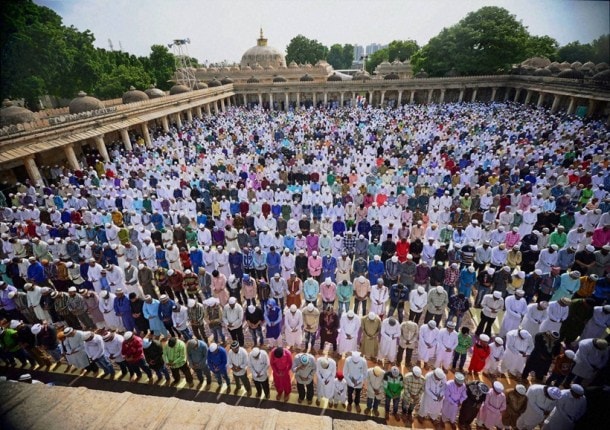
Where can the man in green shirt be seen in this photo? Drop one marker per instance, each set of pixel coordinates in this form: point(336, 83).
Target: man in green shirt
point(392, 386)
point(464, 344)
point(558, 237)
point(174, 354)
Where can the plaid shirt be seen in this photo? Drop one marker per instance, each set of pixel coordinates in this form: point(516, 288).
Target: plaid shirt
point(349, 244)
point(451, 276)
point(413, 387)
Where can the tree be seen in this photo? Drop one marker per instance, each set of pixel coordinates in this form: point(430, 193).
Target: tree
point(486, 41)
point(541, 46)
point(303, 50)
point(340, 57)
point(161, 66)
point(576, 51)
point(401, 50)
point(601, 48)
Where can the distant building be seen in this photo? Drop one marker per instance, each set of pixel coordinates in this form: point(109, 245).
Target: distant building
point(358, 52)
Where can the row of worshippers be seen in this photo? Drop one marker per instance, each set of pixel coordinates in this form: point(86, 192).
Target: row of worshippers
point(435, 398)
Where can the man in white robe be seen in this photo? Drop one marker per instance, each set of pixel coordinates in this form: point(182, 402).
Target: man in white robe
point(379, 297)
point(515, 308)
point(591, 356)
point(287, 261)
point(535, 314)
point(447, 341)
point(94, 274)
point(541, 400)
point(597, 325)
point(428, 338)
point(568, 410)
point(349, 328)
point(519, 345)
point(116, 277)
point(222, 262)
point(293, 326)
point(326, 369)
point(106, 306)
point(388, 345)
point(34, 293)
point(432, 398)
point(556, 314)
point(74, 346)
point(496, 353)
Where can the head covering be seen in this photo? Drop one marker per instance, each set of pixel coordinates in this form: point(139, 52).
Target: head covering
point(484, 338)
point(438, 373)
point(498, 387)
point(459, 377)
point(213, 347)
point(416, 371)
point(497, 294)
point(68, 330)
point(304, 359)
point(520, 389)
point(234, 344)
point(554, 393)
point(355, 355)
point(232, 300)
point(36, 328)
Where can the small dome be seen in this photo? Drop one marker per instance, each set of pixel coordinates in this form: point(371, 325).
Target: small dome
point(269, 67)
point(252, 80)
point(362, 76)
point(334, 78)
point(134, 95)
point(391, 76)
point(589, 65)
point(384, 63)
point(279, 78)
point(12, 114)
point(396, 62)
point(226, 80)
point(421, 74)
point(537, 62)
point(306, 78)
point(576, 65)
point(601, 67)
point(293, 65)
point(154, 93)
point(213, 70)
point(571, 74)
point(257, 67)
point(603, 76)
point(214, 83)
point(246, 68)
point(452, 73)
point(543, 71)
point(554, 68)
point(178, 89)
point(565, 65)
point(308, 66)
point(200, 85)
point(84, 103)
point(225, 69)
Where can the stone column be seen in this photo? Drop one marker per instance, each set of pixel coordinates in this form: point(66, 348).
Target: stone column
point(528, 97)
point(430, 93)
point(371, 97)
point(461, 97)
point(71, 156)
point(556, 100)
point(474, 95)
point(260, 100)
point(517, 94)
point(228, 102)
point(146, 134)
point(165, 123)
point(178, 119)
point(189, 115)
point(572, 105)
point(245, 99)
point(494, 90)
point(325, 98)
point(198, 111)
point(208, 109)
point(342, 98)
point(540, 99)
point(591, 108)
point(126, 140)
point(216, 107)
point(286, 102)
point(298, 100)
point(222, 105)
point(442, 97)
point(382, 98)
point(30, 166)
point(270, 101)
point(101, 147)
point(399, 102)
point(506, 93)
point(412, 97)
point(314, 99)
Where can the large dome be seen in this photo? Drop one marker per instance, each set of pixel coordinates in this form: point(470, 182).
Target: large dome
point(263, 55)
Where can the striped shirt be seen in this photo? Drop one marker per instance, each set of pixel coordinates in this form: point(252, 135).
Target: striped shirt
point(413, 386)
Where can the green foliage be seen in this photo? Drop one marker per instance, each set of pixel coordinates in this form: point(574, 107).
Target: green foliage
point(597, 51)
point(303, 50)
point(401, 50)
point(161, 66)
point(376, 58)
point(541, 46)
point(486, 41)
point(340, 57)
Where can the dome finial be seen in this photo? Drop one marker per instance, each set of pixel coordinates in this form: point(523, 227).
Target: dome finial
point(261, 41)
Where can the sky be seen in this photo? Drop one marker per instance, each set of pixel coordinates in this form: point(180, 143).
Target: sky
point(221, 30)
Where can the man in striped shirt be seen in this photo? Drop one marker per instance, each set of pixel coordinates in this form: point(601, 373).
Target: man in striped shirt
point(411, 393)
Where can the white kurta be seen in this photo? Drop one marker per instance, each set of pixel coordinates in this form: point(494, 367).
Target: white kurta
point(388, 344)
point(515, 309)
point(326, 379)
point(426, 346)
point(555, 316)
point(538, 403)
point(432, 397)
point(379, 297)
point(446, 341)
point(293, 327)
point(33, 297)
point(568, 410)
point(111, 320)
point(513, 361)
point(496, 353)
point(349, 328)
point(533, 318)
point(75, 350)
point(588, 359)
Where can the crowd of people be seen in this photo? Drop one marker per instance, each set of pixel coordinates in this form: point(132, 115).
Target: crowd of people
point(412, 245)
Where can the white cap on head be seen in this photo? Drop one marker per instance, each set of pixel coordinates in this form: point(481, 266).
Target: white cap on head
point(310, 307)
point(416, 371)
point(191, 303)
point(498, 386)
point(36, 328)
point(293, 308)
point(520, 389)
point(355, 355)
point(372, 316)
point(497, 294)
point(213, 347)
point(570, 354)
point(432, 324)
point(421, 290)
point(484, 338)
point(232, 300)
point(251, 308)
point(128, 335)
point(438, 372)
point(255, 351)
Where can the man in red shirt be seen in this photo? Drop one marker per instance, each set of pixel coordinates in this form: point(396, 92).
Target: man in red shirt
point(133, 352)
point(479, 355)
point(281, 363)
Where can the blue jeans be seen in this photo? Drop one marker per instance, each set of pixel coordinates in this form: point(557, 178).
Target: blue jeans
point(372, 403)
point(396, 402)
point(218, 334)
point(257, 331)
point(309, 336)
point(222, 375)
point(162, 371)
point(343, 306)
point(105, 365)
point(401, 310)
point(186, 333)
point(457, 321)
